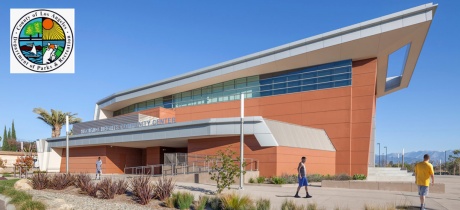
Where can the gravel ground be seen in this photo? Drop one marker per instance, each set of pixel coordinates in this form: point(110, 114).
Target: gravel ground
point(71, 199)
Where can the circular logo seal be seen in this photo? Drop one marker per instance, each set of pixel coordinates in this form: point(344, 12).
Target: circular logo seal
point(42, 40)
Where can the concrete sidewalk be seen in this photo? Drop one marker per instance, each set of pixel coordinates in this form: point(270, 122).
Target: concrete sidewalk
point(333, 198)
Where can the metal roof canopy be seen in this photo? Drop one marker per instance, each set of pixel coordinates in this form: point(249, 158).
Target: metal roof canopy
point(267, 132)
point(376, 38)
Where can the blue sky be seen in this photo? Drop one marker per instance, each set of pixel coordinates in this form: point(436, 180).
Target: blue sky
point(120, 45)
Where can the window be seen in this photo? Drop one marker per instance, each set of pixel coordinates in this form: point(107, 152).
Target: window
point(294, 84)
point(309, 75)
point(279, 85)
point(324, 79)
point(325, 85)
point(336, 74)
point(295, 89)
point(324, 72)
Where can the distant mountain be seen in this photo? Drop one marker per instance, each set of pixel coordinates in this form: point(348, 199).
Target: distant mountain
point(413, 157)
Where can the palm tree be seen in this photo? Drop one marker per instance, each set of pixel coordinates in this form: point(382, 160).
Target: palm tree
point(56, 119)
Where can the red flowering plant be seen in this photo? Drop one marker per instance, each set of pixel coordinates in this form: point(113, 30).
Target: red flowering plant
point(24, 163)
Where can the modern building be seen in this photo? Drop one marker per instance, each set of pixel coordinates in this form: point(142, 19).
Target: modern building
point(315, 97)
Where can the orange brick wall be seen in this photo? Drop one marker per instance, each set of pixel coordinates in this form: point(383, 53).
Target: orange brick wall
point(318, 161)
point(120, 157)
point(114, 159)
point(363, 111)
point(272, 160)
point(83, 159)
point(153, 155)
point(345, 113)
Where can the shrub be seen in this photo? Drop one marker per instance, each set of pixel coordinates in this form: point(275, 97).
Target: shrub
point(183, 200)
point(91, 189)
point(288, 205)
point(40, 181)
point(251, 180)
point(108, 188)
point(329, 177)
point(7, 174)
point(122, 185)
point(359, 177)
point(33, 205)
point(215, 203)
point(277, 180)
point(312, 206)
point(24, 162)
point(82, 180)
point(169, 202)
point(225, 168)
point(236, 202)
point(263, 204)
point(315, 177)
point(163, 188)
point(142, 189)
point(61, 181)
point(260, 179)
point(201, 204)
point(289, 179)
point(341, 177)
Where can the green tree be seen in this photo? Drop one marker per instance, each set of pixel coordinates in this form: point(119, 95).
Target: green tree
point(9, 134)
point(5, 141)
point(13, 131)
point(454, 162)
point(33, 29)
point(225, 169)
point(55, 119)
point(30, 30)
point(38, 27)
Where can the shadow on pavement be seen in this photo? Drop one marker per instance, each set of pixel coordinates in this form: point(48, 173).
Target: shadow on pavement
point(411, 207)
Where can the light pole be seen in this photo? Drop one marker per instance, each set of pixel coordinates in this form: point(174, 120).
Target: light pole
point(67, 143)
point(403, 166)
point(445, 160)
point(383, 154)
point(241, 142)
point(386, 156)
point(379, 153)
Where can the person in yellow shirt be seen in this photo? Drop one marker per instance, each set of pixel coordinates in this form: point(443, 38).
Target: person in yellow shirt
point(423, 171)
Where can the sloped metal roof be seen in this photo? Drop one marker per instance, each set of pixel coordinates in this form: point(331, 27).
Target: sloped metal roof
point(291, 135)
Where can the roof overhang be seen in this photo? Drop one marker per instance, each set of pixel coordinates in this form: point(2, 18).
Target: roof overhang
point(376, 38)
point(268, 133)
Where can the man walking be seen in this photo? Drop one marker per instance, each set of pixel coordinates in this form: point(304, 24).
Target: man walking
point(302, 171)
point(423, 171)
point(99, 167)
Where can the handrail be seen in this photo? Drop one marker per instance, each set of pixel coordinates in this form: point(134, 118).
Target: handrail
point(185, 167)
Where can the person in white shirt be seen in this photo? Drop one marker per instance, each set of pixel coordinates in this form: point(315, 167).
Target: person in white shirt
point(99, 167)
point(303, 181)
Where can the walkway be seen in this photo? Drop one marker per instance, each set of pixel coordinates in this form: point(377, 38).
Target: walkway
point(332, 198)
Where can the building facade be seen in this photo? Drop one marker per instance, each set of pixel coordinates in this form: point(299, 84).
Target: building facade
point(315, 97)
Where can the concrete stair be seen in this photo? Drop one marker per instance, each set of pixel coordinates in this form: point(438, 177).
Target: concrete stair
point(389, 174)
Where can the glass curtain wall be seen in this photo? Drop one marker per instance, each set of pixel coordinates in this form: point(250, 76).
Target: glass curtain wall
point(330, 75)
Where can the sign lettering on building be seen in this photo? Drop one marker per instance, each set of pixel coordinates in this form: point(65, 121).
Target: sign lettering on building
point(147, 123)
